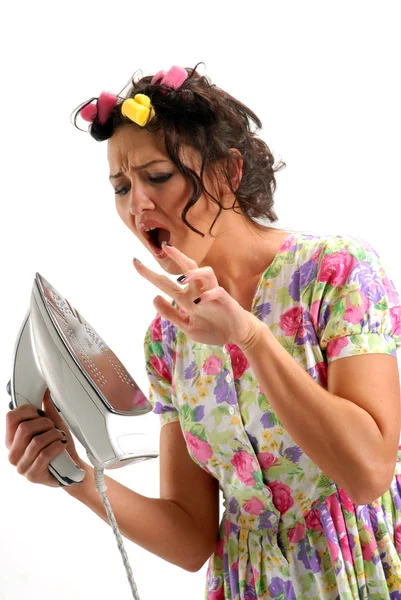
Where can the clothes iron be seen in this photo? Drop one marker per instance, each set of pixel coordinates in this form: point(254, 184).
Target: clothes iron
point(56, 348)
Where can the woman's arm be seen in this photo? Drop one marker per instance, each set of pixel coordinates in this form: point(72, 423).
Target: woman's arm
point(351, 430)
point(182, 525)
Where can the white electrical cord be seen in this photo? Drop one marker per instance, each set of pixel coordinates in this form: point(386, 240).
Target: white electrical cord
point(101, 488)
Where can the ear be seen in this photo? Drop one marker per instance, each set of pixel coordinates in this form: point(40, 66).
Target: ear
point(233, 168)
point(230, 168)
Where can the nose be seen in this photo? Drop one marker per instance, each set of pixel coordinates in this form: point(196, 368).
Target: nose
point(138, 200)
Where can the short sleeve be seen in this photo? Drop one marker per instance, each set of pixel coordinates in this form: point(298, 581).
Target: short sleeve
point(356, 308)
point(158, 360)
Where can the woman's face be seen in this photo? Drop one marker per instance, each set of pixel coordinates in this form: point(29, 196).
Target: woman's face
point(151, 192)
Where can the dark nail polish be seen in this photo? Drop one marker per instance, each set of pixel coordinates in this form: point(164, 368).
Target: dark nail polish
point(167, 243)
point(137, 260)
point(63, 432)
point(197, 301)
point(10, 405)
point(63, 441)
point(181, 278)
point(41, 412)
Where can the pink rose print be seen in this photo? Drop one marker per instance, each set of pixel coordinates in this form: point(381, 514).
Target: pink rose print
point(398, 538)
point(336, 268)
point(199, 448)
point(212, 365)
point(333, 549)
point(297, 533)
point(219, 548)
point(335, 346)
point(312, 521)
point(156, 329)
point(391, 292)
point(346, 501)
point(353, 314)
point(281, 493)
point(254, 506)
point(321, 371)
point(314, 313)
point(266, 460)
point(395, 314)
point(291, 319)
point(245, 465)
point(217, 594)
point(160, 366)
point(369, 548)
point(238, 360)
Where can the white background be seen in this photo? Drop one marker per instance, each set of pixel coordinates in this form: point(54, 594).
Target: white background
point(324, 79)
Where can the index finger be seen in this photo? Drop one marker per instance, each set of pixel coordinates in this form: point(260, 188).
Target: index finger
point(179, 257)
point(24, 412)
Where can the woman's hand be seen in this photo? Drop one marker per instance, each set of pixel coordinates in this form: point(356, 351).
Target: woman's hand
point(34, 439)
point(206, 312)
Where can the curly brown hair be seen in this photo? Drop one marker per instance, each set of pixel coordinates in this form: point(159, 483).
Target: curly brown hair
point(207, 119)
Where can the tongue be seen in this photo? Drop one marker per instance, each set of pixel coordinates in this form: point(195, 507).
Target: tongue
point(163, 235)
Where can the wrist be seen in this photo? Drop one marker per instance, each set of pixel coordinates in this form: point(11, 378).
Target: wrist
point(78, 490)
point(250, 333)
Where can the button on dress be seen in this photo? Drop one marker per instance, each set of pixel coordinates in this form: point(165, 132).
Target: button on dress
point(288, 531)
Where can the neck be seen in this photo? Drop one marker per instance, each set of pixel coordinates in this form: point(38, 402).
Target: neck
point(240, 253)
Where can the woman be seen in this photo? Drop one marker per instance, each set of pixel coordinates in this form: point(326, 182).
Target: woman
point(245, 364)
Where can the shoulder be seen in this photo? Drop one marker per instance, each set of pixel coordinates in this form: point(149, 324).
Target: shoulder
point(335, 252)
point(347, 258)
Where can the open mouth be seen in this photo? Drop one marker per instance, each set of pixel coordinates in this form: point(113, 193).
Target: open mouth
point(157, 236)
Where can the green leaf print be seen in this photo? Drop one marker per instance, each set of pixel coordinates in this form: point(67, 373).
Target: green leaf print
point(263, 403)
point(187, 415)
point(306, 581)
point(245, 413)
point(354, 298)
point(199, 431)
point(381, 532)
point(157, 348)
point(275, 270)
point(365, 536)
point(220, 437)
point(181, 338)
point(372, 342)
point(283, 468)
point(218, 414)
point(287, 343)
point(232, 547)
point(339, 308)
point(321, 481)
point(356, 250)
point(199, 354)
point(283, 297)
point(383, 304)
point(246, 398)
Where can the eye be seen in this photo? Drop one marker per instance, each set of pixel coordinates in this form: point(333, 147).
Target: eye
point(160, 178)
point(121, 191)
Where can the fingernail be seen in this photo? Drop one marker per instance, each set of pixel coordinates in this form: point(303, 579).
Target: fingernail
point(41, 412)
point(181, 278)
point(137, 260)
point(10, 405)
point(197, 301)
point(63, 432)
point(167, 243)
point(63, 441)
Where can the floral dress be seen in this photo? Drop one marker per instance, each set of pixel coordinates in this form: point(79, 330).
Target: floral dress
point(288, 531)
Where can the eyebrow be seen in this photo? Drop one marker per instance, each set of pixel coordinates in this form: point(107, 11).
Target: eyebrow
point(152, 162)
